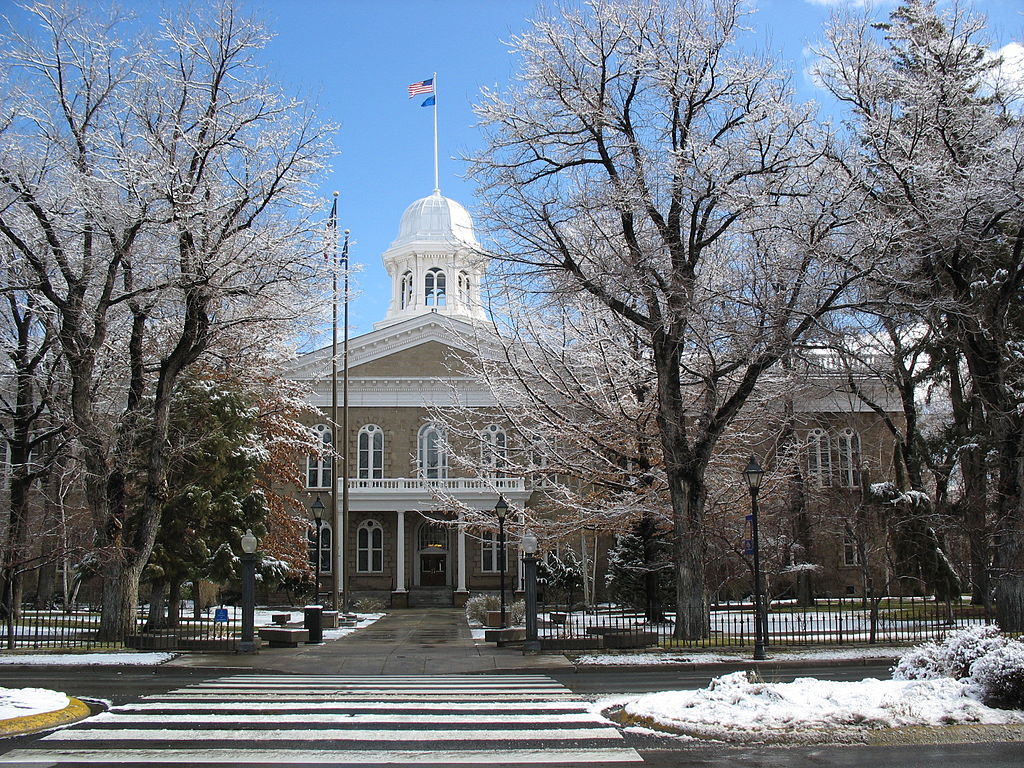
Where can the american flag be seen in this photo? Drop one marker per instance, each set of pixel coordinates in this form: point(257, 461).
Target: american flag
point(424, 86)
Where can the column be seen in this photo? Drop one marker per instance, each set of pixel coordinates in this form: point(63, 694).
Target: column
point(400, 552)
point(461, 554)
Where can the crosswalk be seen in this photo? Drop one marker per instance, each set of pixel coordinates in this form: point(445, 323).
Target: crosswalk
point(289, 720)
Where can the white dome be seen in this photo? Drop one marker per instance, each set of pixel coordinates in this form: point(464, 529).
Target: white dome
point(436, 219)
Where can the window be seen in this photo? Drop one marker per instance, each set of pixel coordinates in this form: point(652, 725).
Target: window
point(819, 458)
point(539, 470)
point(432, 536)
point(851, 552)
point(432, 458)
point(318, 465)
point(493, 451)
point(464, 288)
point(849, 458)
point(434, 288)
point(371, 453)
point(370, 547)
point(490, 553)
point(325, 546)
point(406, 288)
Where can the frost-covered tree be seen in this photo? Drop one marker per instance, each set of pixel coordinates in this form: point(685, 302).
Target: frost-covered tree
point(156, 185)
point(646, 158)
point(940, 154)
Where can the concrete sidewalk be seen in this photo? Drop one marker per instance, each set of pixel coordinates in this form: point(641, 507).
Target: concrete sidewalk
point(406, 642)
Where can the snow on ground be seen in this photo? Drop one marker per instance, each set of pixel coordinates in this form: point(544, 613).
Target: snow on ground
point(732, 706)
point(86, 659)
point(701, 657)
point(20, 702)
point(365, 620)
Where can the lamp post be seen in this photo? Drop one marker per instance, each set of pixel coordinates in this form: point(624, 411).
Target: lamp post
point(501, 510)
point(530, 574)
point(754, 474)
point(247, 643)
point(318, 515)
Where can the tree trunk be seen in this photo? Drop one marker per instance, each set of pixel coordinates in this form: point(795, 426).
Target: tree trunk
point(120, 599)
point(174, 603)
point(155, 618)
point(692, 619)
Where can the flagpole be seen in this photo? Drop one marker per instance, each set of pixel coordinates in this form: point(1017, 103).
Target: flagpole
point(334, 404)
point(437, 187)
point(344, 429)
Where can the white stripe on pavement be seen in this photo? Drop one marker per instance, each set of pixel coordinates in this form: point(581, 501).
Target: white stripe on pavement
point(299, 703)
point(383, 719)
point(323, 734)
point(292, 758)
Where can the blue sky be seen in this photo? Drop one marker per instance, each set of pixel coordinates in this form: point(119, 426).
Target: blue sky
point(354, 58)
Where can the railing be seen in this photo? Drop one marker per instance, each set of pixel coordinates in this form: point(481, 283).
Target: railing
point(830, 621)
point(453, 484)
point(217, 629)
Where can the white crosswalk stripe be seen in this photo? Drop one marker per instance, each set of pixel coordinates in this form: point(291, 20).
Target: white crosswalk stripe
point(343, 720)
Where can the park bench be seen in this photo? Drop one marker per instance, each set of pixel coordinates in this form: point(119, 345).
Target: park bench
point(284, 637)
point(281, 619)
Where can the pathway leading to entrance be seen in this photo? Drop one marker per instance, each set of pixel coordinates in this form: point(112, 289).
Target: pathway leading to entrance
point(433, 641)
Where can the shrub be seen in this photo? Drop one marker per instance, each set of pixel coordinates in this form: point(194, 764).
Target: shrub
point(952, 657)
point(369, 605)
point(478, 605)
point(999, 676)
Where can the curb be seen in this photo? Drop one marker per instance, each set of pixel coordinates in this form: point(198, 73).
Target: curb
point(917, 735)
point(20, 726)
point(695, 665)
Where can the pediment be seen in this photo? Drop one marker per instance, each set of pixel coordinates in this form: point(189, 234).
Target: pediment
point(420, 347)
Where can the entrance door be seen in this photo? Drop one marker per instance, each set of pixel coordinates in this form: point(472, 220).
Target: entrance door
point(433, 570)
point(432, 549)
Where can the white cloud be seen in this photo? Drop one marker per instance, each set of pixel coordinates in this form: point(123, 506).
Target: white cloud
point(1011, 70)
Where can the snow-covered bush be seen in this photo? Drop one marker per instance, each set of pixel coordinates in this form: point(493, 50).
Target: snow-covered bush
point(478, 605)
point(369, 605)
point(999, 676)
point(952, 657)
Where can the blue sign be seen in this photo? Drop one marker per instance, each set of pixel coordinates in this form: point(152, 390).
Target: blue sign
point(220, 615)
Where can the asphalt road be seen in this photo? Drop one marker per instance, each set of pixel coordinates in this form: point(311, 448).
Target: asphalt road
point(120, 685)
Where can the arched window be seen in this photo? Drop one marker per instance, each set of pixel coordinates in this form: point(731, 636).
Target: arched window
point(490, 552)
point(464, 288)
point(432, 458)
point(432, 537)
point(819, 458)
point(318, 465)
point(849, 457)
point(434, 288)
point(325, 546)
point(406, 288)
point(370, 547)
point(371, 453)
point(493, 451)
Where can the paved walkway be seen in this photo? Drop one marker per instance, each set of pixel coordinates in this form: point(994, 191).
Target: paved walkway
point(405, 642)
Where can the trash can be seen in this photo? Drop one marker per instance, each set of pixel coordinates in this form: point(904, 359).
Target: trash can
point(313, 622)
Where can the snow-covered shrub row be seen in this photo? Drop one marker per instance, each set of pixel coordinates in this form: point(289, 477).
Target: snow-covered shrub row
point(993, 664)
point(950, 658)
point(999, 676)
point(478, 605)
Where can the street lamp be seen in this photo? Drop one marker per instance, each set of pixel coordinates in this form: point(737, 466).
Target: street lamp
point(501, 510)
point(754, 475)
point(318, 515)
point(529, 545)
point(247, 643)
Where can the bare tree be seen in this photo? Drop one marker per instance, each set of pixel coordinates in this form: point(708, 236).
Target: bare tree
point(646, 159)
point(940, 155)
point(158, 190)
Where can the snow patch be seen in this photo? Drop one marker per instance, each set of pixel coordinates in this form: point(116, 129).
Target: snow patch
point(21, 702)
point(88, 659)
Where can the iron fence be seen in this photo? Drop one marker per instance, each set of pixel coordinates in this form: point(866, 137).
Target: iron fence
point(78, 628)
point(830, 621)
